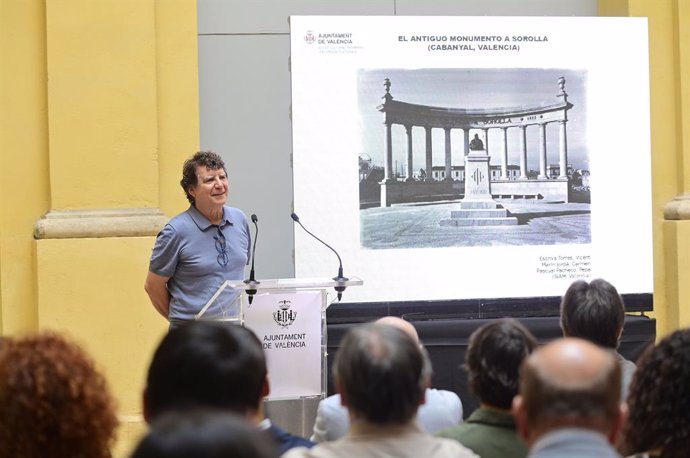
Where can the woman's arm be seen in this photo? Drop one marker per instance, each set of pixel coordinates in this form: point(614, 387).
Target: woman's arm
point(156, 288)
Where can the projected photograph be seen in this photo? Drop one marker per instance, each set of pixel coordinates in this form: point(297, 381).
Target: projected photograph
point(470, 170)
point(473, 157)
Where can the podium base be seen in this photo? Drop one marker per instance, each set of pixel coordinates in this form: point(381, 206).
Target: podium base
point(296, 416)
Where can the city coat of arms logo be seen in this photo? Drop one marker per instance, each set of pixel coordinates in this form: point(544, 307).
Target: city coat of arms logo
point(284, 317)
point(309, 37)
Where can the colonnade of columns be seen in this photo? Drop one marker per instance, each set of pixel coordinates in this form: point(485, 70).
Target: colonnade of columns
point(563, 150)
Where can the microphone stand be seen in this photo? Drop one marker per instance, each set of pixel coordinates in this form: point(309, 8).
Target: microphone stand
point(252, 282)
point(339, 278)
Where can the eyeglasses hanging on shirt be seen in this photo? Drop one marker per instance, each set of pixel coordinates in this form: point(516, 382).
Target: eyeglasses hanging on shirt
point(221, 247)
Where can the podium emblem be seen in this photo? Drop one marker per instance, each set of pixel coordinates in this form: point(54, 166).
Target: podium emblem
point(284, 317)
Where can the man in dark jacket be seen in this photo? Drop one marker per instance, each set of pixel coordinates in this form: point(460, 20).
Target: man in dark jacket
point(214, 365)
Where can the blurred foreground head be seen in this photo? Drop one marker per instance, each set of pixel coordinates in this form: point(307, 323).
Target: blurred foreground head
point(206, 364)
point(204, 434)
point(381, 373)
point(569, 383)
point(53, 401)
point(659, 400)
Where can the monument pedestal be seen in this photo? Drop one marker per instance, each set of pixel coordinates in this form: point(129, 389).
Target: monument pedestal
point(477, 208)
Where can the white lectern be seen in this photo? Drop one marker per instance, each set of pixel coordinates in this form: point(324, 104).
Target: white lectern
point(289, 318)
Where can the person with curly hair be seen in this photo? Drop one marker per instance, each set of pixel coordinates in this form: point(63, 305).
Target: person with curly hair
point(493, 360)
point(53, 401)
point(201, 248)
point(658, 424)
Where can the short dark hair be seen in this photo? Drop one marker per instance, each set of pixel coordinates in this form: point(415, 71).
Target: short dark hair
point(493, 360)
point(659, 399)
point(382, 373)
point(208, 159)
point(204, 434)
point(548, 399)
point(209, 364)
point(593, 311)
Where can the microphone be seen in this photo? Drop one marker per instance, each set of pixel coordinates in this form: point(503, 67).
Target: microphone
point(339, 278)
point(252, 281)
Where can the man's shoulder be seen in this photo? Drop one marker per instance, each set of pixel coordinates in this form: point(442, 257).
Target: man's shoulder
point(567, 442)
point(331, 402)
point(298, 452)
point(450, 447)
point(626, 364)
point(235, 214)
point(456, 432)
point(287, 441)
point(440, 410)
point(444, 396)
point(429, 446)
point(181, 221)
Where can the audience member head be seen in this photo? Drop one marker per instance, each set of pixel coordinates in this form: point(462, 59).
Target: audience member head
point(569, 383)
point(593, 311)
point(381, 374)
point(659, 400)
point(209, 364)
point(493, 360)
point(401, 324)
point(203, 434)
point(53, 401)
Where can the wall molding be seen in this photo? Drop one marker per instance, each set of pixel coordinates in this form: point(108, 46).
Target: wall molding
point(678, 208)
point(100, 223)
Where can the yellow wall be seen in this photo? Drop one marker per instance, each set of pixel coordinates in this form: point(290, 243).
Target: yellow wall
point(102, 112)
point(669, 54)
point(24, 184)
point(99, 108)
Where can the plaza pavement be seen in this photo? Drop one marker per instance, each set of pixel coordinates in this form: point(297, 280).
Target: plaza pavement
point(417, 226)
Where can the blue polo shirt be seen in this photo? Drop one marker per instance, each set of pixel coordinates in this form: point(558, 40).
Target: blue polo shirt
point(187, 251)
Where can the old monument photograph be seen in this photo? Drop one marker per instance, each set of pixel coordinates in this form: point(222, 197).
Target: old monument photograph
point(473, 157)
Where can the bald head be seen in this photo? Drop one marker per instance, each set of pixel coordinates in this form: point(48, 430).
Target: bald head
point(401, 324)
point(570, 382)
point(571, 363)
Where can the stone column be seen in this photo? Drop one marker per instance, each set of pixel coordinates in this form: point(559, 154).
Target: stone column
point(563, 156)
point(542, 151)
point(429, 164)
point(448, 155)
point(523, 152)
point(105, 136)
point(388, 171)
point(466, 140)
point(486, 140)
point(410, 169)
point(504, 153)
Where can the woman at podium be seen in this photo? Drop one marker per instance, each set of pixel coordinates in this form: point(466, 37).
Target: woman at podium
point(201, 248)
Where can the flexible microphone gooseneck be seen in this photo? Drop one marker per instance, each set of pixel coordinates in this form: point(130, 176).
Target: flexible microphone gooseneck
point(252, 281)
point(339, 278)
